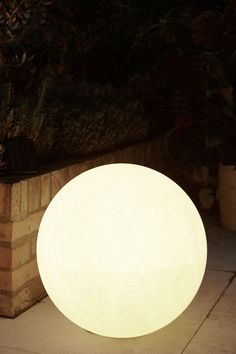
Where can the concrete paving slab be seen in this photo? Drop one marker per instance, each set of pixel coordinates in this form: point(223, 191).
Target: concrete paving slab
point(231, 290)
point(221, 245)
point(7, 350)
point(206, 298)
point(216, 336)
point(221, 263)
point(226, 306)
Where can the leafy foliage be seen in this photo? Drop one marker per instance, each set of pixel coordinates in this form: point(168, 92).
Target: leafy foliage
point(214, 36)
point(81, 76)
point(58, 59)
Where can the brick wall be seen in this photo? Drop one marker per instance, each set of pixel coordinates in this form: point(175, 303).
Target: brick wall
point(22, 206)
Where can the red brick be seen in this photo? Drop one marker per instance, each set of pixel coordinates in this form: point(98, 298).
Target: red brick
point(6, 308)
point(15, 202)
point(26, 297)
point(5, 201)
point(27, 226)
point(34, 194)
point(45, 189)
point(24, 198)
point(59, 179)
point(22, 275)
point(5, 280)
point(33, 246)
point(76, 170)
point(21, 254)
point(6, 232)
point(5, 257)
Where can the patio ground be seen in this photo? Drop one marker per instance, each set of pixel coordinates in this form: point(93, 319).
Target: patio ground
point(207, 326)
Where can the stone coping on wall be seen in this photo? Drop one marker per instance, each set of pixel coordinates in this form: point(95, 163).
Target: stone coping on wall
point(22, 205)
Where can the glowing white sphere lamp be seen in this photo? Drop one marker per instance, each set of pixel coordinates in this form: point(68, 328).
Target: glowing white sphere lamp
point(121, 250)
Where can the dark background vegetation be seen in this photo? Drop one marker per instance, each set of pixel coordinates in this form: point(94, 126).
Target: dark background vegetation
point(82, 76)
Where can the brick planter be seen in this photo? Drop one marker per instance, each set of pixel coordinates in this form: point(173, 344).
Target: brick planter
point(22, 205)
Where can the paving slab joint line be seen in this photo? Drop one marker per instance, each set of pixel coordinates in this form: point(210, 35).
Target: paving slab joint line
point(19, 350)
point(213, 306)
point(221, 270)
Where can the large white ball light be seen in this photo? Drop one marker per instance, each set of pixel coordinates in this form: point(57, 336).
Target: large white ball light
point(121, 250)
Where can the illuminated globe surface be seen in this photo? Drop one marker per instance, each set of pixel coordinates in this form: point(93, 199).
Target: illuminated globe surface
point(121, 250)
